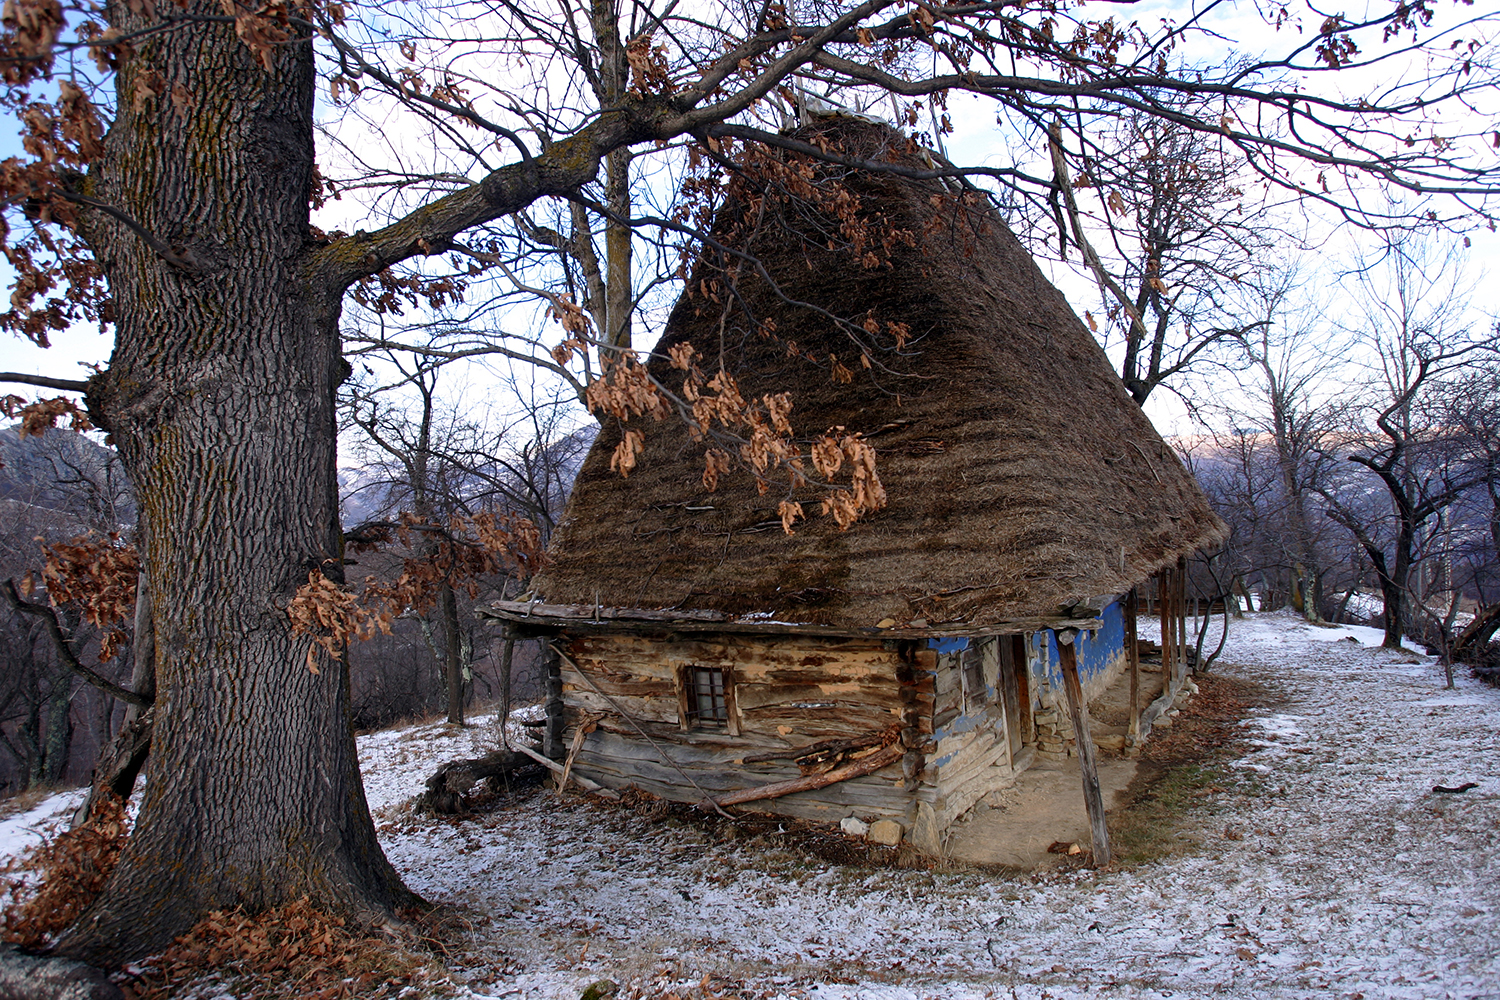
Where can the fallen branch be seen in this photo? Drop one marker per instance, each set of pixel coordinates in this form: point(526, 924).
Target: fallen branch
point(448, 785)
point(854, 769)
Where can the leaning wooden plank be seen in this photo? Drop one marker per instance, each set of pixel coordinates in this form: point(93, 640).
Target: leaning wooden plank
point(854, 769)
point(587, 726)
point(577, 779)
point(1093, 795)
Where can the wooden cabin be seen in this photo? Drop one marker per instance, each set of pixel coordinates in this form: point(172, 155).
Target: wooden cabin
point(896, 670)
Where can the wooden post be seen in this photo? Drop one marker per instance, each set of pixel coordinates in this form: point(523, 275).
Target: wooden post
point(1133, 658)
point(1093, 795)
point(1182, 640)
point(552, 735)
point(1164, 610)
point(1021, 659)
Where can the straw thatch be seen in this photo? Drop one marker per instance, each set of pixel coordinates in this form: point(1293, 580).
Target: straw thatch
point(1022, 478)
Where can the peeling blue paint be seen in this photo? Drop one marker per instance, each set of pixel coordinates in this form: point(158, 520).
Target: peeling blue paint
point(1095, 649)
point(949, 645)
point(961, 724)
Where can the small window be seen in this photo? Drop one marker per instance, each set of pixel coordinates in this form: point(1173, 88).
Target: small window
point(706, 704)
point(705, 699)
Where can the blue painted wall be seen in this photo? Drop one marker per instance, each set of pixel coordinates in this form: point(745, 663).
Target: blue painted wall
point(1096, 650)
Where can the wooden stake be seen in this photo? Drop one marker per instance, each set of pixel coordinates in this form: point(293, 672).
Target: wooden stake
point(1133, 657)
point(577, 779)
point(1164, 610)
point(585, 726)
point(1181, 599)
point(1093, 794)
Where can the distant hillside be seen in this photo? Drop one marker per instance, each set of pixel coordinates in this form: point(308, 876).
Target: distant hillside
point(66, 473)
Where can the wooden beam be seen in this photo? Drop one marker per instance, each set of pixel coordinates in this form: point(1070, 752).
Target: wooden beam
point(552, 736)
point(577, 779)
point(1021, 661)
point(1093, 794)
point(527, 620)
point(1164, 611)
point(854, 769)
point(1182, 617)
point(1133, 658)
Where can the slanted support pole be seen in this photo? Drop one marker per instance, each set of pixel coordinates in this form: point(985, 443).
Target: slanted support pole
point(1093, 794)
point(1181, 601)
point(1133, 658)
point(1164, 588)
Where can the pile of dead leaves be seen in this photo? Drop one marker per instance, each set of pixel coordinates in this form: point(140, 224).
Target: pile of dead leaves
point(1208, 727)
point(296, 951)
point(69, 871)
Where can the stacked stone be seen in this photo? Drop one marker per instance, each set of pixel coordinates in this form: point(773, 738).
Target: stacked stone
point(1054, 735)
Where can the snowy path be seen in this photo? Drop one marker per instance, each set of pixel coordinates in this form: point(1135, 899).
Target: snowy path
point(1350, 876)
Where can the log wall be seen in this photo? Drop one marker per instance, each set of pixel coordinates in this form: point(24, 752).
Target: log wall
point(971, 746)
point(787, 694)
point(946, 701)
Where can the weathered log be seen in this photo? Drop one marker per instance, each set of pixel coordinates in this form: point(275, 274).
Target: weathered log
point(450, 782)
point(824, 756)
point(854, 769)
point(1093, 794)
point(33, 977)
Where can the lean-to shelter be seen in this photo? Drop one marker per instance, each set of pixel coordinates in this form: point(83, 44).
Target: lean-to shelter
point(894, 669)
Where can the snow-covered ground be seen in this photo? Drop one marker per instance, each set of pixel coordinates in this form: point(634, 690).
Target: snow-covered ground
point(1335, 871)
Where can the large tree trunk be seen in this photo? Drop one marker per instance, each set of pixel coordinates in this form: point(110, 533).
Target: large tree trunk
point(1393, 587)
point(220, 397)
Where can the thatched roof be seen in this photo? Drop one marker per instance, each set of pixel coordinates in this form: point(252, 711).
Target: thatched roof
point(1022, 478)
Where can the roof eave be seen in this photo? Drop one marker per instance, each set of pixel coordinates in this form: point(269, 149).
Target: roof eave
point(534, 616)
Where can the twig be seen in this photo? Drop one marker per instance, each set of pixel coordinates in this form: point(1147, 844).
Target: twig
point(1148, 463)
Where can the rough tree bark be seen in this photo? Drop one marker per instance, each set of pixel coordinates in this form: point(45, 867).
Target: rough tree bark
point(220, 397)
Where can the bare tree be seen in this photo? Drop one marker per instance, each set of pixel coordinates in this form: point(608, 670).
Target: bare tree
point(1292, 358)
point(1472, 409)
point(428, 452)
point(1174, 233)
point(1421, 346)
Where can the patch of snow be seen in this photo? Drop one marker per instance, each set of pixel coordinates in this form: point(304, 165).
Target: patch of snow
point(1351, 875)
point(22, 831)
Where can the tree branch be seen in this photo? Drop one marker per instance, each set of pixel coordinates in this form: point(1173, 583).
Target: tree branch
point(65, 384)
point(65, 651)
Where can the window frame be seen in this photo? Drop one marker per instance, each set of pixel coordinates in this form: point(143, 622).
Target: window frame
point(688, 717)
